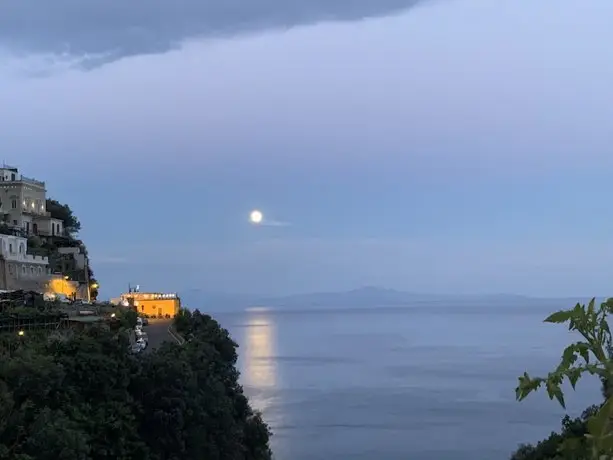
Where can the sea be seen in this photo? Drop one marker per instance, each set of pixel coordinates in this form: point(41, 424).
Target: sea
point(416, 382)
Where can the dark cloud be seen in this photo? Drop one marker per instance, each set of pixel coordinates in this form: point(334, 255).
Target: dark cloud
point(118, 28)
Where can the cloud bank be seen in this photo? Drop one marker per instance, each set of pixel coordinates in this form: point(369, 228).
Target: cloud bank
point(106, 30)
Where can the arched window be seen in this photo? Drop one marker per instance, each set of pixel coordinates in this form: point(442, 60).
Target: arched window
point(32, 269)
point(24, 270)
point(14, 200)
point(40, 271)
point(22, 248)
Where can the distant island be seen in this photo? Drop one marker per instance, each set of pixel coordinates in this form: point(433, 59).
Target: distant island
point(364, 297)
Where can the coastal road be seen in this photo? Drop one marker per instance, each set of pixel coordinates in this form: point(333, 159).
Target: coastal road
point(157, 332)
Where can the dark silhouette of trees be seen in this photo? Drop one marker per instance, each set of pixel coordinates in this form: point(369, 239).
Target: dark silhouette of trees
point(64, 213)
point(83, 395)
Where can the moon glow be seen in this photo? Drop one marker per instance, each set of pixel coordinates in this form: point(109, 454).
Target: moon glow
point(256, 217)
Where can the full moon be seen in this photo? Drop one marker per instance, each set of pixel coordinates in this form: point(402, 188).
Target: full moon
point(256, 217)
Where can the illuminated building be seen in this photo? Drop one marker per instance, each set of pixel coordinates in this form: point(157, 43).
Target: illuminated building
point(153, 304)
point(24, 204)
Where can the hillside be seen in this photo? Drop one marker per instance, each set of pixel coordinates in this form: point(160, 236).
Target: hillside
point(83, 396)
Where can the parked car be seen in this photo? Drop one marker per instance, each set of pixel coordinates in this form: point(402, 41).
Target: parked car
point(49, 297)
point(141, 335)
point(63, 298)
point(142, 343)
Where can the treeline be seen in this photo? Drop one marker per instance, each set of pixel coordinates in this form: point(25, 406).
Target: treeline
point(86, 397)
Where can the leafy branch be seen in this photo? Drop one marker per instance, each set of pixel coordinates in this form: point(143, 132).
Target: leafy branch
point(588, 356)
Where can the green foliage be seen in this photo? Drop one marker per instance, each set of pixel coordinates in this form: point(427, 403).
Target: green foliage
point(127, 317)
point(34, 242)
point(64, 213)
point(591, 436)
point(86, 397)
point(570, 444)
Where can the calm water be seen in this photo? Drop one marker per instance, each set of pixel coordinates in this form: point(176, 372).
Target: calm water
point(411, 383)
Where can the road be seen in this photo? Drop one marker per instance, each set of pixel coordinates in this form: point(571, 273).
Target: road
point(157, 332)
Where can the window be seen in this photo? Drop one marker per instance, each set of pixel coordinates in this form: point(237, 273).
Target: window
point(32, 271)
point(11, 248)
point(21, 248)
point(14, 203)
point(11, 269)
point(24, 270)
point(40, 271)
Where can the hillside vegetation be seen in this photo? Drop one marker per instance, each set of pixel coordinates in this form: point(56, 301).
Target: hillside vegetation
point(83, 396)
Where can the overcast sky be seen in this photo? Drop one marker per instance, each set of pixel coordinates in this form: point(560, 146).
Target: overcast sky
point(448, 146)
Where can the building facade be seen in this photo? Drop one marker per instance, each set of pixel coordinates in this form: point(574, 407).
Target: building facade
point(18, 269)
point(155, 305)
point(23, 204)
point(57, 284)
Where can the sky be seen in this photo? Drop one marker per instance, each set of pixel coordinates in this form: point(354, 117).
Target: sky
point(440, 146)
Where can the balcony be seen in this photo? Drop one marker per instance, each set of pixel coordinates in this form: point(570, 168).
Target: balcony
point(44, 234)
point(36, 214)
point(8, 229)
point(32, 181)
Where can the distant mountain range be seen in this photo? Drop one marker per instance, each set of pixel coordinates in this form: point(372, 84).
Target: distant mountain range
point(363, 297)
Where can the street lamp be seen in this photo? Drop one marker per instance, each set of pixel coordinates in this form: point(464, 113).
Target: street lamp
point(21, 333)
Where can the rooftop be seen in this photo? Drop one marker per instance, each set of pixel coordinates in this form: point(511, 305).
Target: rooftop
point(86, 319)
point(150, 295)
point(16, 177)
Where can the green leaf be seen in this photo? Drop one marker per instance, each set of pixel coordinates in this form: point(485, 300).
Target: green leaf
point(569, 356)
point(573, 376)
point(559, 317)
point(554, 391)
point(526, 386)
point(606, 444)
point(598, 424)
point(590, 307)
point(604, 325)
point(584, 350)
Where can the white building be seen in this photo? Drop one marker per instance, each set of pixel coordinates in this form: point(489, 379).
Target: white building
point(18, 269)
point(23, 204)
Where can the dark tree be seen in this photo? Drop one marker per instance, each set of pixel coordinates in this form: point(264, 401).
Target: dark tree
point(84, 396)
point(64, 213)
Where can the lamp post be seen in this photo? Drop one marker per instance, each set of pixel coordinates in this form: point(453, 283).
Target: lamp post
point(89, 290)
point(89, 297)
